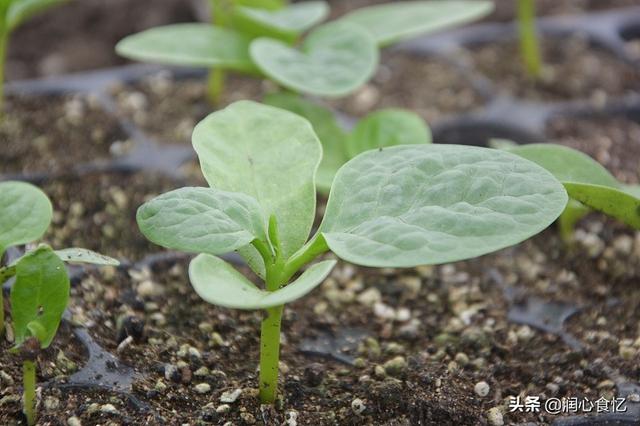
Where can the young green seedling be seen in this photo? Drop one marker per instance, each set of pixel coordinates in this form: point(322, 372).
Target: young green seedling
point(529, 45)
point(588, 184)
point(384, 128)
point(402, 206)
point(12, 14)
point(331, 60)
point(40, 292)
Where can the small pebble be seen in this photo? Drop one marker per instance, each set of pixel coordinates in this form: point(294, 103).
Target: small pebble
point(51, 403)
point(358, 407)
point(395, 366)
point(109, 409)
point(494, 415)
point(291, 418)
point(74, 421)
point(230, 396)
point(222, 409)
point(203, 388)
point(482, 389)
point(384, 311)
point(369, 297)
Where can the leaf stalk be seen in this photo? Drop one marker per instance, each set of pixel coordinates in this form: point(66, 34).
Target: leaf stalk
point(529, 45)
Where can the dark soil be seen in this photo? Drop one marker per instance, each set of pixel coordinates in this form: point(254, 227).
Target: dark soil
point(506, 9)
point(572, 70)
point(614, 142)
point(82, 34)
point(54, 134)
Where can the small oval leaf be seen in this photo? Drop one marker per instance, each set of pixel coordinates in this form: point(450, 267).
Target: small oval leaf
point(286, 23)
point(202, 220)
point(195, 45)
point(394, 22)
point(39, 296)
point(217, 282)
point(334, 61)
point(25, 214)
point(81, 255)
point(388, 127)
point(428, 204)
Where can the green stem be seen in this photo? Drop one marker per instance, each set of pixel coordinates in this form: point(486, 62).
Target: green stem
point(529, 47)
point(270, 354)
point(29, 395)
point(215, 85)
point(314, 248)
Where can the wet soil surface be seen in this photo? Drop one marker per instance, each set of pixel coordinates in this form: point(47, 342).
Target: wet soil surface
point(572, 70)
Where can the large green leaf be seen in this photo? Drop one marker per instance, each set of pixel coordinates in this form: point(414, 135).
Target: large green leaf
point(25, 214)
point(393, 22)
point(202, 220)
point(585, 180)
point(195, 45)
point(324, 123)
point(335, 59)
point(429, 204)
point(219, 283)
point(267, 153)
point(39, 296)
point(286, 24)
point(386, 128)
point(21, 10)
point(82, 255)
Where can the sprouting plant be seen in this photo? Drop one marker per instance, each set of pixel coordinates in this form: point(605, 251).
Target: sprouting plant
point(587, 182)
point(402, 206)
point(529, 45)
point(272, 39)
point(40, 292)
point(12, 14)
point(383, 128)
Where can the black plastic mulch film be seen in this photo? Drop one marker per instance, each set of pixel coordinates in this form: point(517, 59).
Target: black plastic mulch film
point(501, 117)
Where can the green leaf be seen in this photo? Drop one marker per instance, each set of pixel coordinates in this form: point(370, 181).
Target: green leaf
point(324, 123)
point(269, 154)
point(21, 10)
point(219, 283)
point(286, 24)
point(585, 180)
point(394, 22)
point(335, 59)
point(39, 296)
point(81, 255)
point(386, 128)
point(194, 45)
point(262, 4)
point(25, 214)
point(428, 204)
point(202, 220)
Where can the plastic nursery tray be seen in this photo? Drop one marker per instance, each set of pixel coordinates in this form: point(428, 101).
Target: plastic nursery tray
point(502, 117)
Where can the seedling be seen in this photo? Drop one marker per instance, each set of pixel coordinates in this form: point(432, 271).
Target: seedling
point(12, 14)
point(40, 292)
point(283, 42)
point(402, 206)
point(384, 128)
point(587, 182)
point(529, 45)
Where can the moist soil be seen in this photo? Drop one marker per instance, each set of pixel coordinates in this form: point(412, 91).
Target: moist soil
point(572, 70)
point(81, 35)
point(54, 134)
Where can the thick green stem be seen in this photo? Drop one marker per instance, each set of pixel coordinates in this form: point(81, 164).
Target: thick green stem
point(29, 395)
point(270, 354)
point(529, 47)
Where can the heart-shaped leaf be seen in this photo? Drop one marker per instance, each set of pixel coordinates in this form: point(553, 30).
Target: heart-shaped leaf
point(21, 10)
point(586, 180)
point(25, 214)
point(202, 220)
point(219, 283)
point(195, 45)
point(334, 61)
point(39, 296)
point(324, 123)
point(394, 22)
point(286, 24)
point(386, 128)
point(81, 255)
point(428, 204)
point(269, 154)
